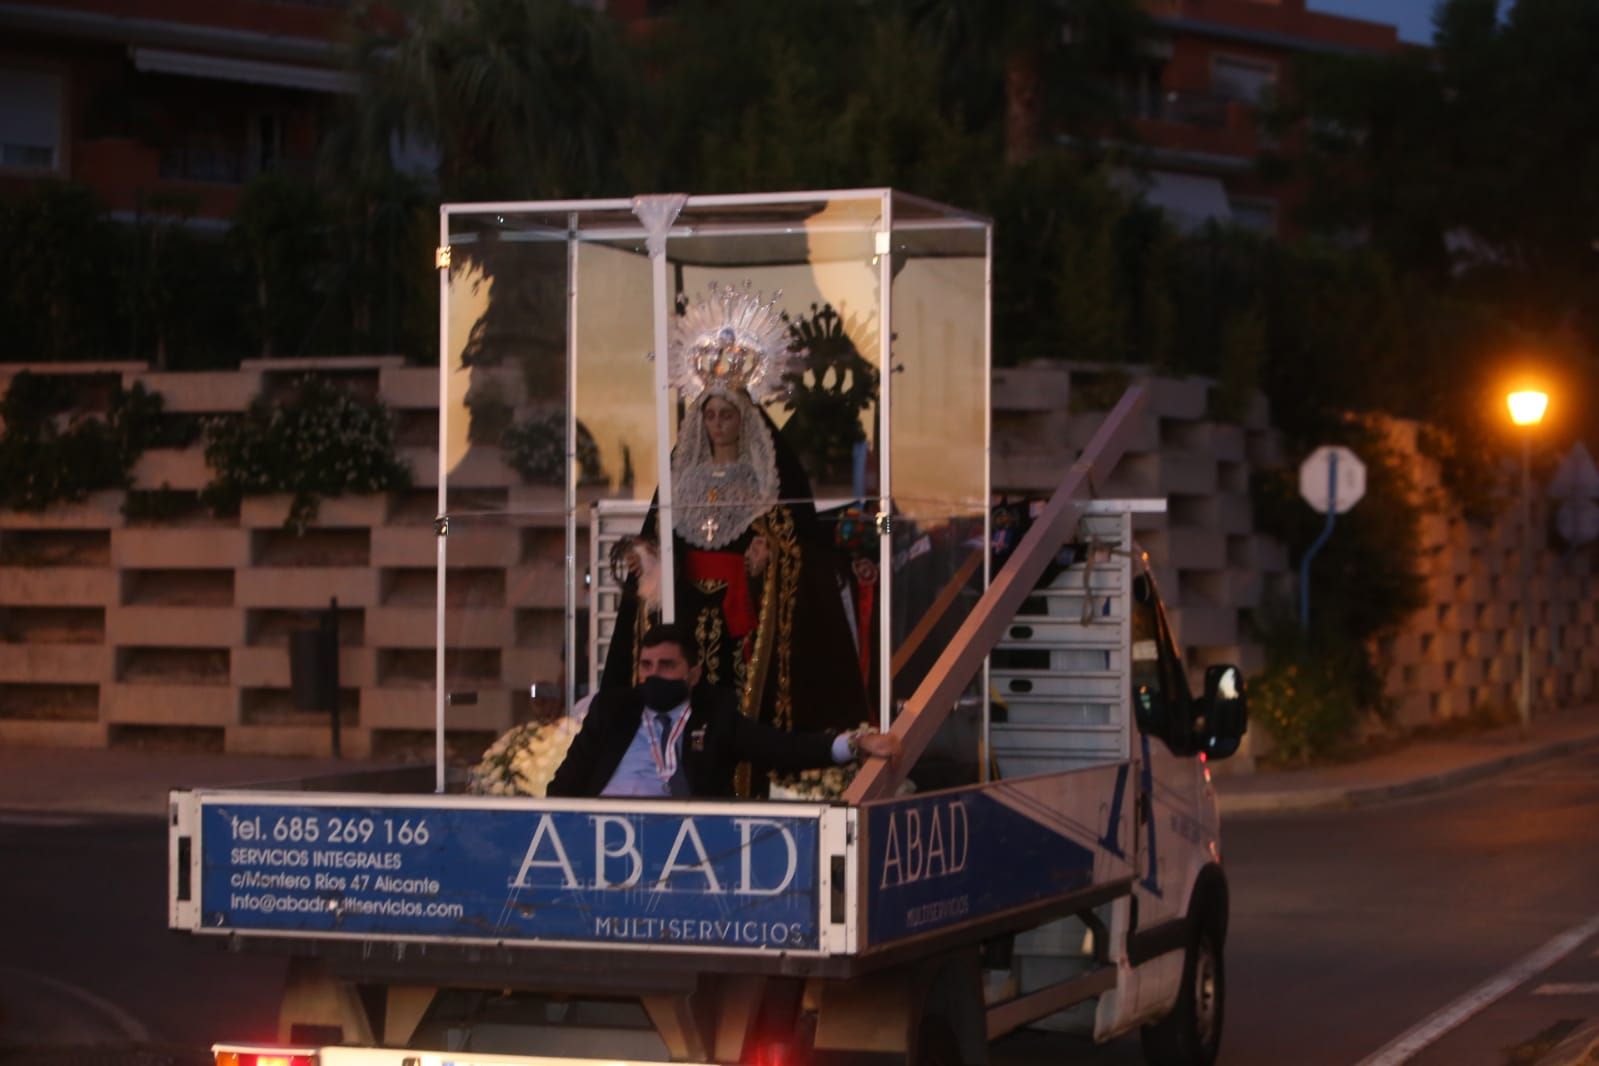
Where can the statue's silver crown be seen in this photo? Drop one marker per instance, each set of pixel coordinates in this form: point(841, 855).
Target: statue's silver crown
point(732, 338)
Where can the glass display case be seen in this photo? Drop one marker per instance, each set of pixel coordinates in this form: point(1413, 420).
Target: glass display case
point(795, 384)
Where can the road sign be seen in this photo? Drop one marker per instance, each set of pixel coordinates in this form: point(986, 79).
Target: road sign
point(1350, 478)
point(1577, 522)
point(1576, 477)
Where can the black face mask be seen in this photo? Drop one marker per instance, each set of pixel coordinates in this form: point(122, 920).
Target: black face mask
point(660, 694)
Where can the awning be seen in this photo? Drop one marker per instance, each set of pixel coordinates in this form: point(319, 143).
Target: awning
point(1189, 200)
point(252, 71)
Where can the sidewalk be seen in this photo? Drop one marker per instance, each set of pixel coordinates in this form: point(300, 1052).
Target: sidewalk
point(1416, 769)
point(64, 781)
point(61, 781)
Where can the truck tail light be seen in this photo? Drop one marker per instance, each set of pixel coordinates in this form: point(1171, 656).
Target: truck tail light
point(253, 1055)
point(772, 1053)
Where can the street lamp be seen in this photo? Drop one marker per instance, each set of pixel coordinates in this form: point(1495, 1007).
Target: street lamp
point(1526, 409)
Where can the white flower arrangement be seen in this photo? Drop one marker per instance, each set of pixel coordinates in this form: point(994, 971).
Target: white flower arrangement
point(524, 760)
point(816, 786)
point(822, 786)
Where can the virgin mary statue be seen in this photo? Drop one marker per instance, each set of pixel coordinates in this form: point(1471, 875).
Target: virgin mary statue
point(754, 572)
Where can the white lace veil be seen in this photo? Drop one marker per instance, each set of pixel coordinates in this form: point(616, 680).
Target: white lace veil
point(714, 503)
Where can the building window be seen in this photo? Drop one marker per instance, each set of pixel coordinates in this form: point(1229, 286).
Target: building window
point(205, 157)
point(223, 148)
point(30, 120)
point(266, 142)
point(1250, 81)
point(1256, 214)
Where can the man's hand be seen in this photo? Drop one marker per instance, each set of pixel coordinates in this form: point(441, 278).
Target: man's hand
point(757, 556)
point(878, 745)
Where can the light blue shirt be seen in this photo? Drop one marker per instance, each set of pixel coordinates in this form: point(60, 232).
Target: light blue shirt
point(636, 774)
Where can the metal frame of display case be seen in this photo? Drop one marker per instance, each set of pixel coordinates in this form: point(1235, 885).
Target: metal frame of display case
point(664, 224)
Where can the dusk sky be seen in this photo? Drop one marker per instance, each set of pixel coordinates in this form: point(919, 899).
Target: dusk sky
point(1413, 17)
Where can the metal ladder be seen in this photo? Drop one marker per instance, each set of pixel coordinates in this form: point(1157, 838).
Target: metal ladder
point(1061, 667)
point(609, 522)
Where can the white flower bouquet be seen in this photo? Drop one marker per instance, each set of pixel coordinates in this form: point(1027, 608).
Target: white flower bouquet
point(822, 786)
point(523, 760)
point(816, 786)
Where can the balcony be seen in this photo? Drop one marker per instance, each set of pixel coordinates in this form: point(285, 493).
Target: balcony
point(1187, 107)
point(1196, 121)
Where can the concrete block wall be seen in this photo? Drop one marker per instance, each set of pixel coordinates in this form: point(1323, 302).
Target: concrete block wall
point(1462, 652)
point(116, 631)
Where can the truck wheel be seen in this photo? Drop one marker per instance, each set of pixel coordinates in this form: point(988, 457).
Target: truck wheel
point(1191, 1034)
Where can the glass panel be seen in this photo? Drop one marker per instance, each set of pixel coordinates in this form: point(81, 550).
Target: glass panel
point(509, 592)
point(940, 387)
point(938, 575)
point(939, 430)
point(504, 608)
point(615, 399)
point(551, 465)
point(505, 365)
point(759, 577)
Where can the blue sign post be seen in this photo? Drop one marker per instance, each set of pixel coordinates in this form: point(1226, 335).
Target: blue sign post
point(1332, 480)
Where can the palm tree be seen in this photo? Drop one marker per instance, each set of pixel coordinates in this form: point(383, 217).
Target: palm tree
point(518, 98)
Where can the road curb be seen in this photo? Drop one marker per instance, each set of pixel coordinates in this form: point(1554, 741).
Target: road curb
point(1345, 798)
point(1581, 1048)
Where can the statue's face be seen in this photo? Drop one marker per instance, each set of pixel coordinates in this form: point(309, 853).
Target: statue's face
point(722, 422)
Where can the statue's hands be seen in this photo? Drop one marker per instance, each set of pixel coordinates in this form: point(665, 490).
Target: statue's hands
point(757, 556)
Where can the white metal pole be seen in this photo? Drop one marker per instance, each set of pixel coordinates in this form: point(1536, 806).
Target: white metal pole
point(663, 438)
point(657, 213)
point(441, 531)
point(569, 660)
point(884, 247)
point(988, 472)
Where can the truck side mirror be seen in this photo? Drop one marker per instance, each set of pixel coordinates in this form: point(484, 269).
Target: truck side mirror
point(1226, 711)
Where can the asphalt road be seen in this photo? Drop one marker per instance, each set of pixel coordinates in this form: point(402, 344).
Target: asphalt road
point(1349, 929)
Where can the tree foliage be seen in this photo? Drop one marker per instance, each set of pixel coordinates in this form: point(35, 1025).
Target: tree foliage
point(518, 98)
point(52, 452)
point(1472, 172)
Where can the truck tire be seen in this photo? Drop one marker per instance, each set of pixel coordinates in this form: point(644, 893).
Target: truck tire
point(1191, 1034)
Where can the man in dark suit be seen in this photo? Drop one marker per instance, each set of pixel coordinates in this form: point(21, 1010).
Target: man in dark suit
point(668, 737)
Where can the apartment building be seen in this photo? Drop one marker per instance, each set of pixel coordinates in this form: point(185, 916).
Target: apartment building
point(1210, 71)
point(165, 105)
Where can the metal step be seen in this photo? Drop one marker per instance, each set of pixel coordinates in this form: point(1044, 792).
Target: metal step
point(1081, 713)
point(1056, 687)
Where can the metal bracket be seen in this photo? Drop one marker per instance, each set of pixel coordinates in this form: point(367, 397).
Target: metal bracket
point(441, 257)
point(885, 523)
point(441, 526)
